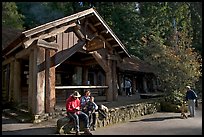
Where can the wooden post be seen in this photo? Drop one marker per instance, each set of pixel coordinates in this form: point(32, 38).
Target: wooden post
point(11, 81)
point(31, 98)
point(17, 81)
point(85, 75)
point(39, 81)
point(134, 85)
point(119, 84)
point(115, 81)
point(50, 82)
point(109, 80)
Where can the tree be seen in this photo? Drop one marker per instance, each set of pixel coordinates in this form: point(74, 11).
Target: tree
point(10, 16)
point(166, 35)
point(159, 33)
point(175, 69)
point(38, 13)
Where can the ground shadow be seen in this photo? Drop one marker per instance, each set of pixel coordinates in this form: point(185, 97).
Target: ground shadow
point(156, 119)
point(32, 131)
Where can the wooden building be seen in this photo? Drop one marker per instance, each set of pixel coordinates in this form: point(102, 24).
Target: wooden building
point(48, 62)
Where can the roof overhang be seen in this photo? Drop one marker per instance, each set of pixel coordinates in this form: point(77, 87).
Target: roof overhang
point(36, 32)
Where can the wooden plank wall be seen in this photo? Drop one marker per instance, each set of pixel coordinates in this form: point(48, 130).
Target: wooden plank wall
point(66, 40)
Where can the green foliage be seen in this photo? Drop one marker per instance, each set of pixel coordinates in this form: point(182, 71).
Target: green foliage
point(149, 33)
point(175, 67)
point(172, 102)
point(175, 97)
point(10, 16)
point(38, 13)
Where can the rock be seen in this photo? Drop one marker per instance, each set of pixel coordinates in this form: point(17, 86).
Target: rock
point(64, 125)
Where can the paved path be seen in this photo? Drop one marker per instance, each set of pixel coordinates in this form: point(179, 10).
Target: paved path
point(156, 124)
point(153, 124)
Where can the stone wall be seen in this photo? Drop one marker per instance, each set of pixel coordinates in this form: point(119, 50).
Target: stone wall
point(125, 113)
point(118, 115)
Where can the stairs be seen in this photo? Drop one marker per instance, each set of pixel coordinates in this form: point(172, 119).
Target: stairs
point(20, 114)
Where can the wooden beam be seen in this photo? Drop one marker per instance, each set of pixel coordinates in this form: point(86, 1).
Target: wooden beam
point(8, 60)
point(43, 35)
point(116, 45)
point(109, 39)
point(107, 43)
point(47, 45)
point(65, 54)
point(100, 60)
point(78, 32)
point(112, 57)
point(104, 31)
point(97, 24)
point(120, 52)
point(92, 27)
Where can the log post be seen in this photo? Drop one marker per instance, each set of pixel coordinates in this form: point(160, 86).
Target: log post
point(114, 81)
point(17, 80)
point(31, 98)
point(50, 82)
point(38, 81)
point(109, 80)
point(11, 87)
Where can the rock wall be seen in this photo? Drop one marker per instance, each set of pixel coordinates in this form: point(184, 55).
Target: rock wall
point(125, 113)
point(120, 114)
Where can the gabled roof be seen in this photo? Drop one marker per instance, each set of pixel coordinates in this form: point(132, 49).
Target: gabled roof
point(97, 23)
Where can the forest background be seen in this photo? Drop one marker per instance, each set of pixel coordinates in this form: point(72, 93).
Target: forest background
point(166, 35)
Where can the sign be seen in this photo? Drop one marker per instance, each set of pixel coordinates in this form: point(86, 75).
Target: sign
point(95, 44)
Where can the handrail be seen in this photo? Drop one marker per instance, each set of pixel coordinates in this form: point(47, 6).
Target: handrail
point(81, 87)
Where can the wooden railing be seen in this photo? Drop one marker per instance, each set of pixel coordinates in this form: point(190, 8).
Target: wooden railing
point(81, 87)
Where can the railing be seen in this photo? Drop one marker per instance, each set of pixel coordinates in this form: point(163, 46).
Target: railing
point(63, 92)
point(81, 87)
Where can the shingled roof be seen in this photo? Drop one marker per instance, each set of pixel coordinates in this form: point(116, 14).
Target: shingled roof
point(135, 64)
point(9, 35)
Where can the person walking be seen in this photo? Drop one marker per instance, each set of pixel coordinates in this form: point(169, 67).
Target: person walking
point(191, 97)
point(128, 87)
point(73, 108)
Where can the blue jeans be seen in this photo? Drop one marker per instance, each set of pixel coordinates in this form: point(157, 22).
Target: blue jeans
point(76, 118)
point(191, 107)
point(128, 91)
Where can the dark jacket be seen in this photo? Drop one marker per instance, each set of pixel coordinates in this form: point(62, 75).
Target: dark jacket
point(190, 95)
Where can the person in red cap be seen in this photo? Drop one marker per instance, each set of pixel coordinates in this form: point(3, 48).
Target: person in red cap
point(73, 110)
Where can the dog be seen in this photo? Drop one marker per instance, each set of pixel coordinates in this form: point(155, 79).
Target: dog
point(103, 111)
point(183, 115)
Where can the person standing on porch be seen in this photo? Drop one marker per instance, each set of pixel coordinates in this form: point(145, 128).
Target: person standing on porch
point(128, 87)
